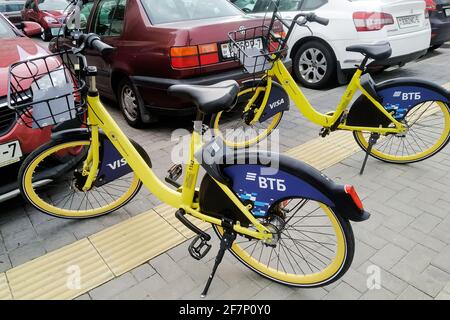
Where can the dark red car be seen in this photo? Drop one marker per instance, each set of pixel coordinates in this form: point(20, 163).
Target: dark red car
point(16, 139)
point(161, 43)
point(48, 13)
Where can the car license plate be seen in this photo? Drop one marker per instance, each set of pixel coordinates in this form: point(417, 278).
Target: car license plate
point(57, 31)
point(9, 153)
point(253, 43)
point(408, 21)
point(447, 12)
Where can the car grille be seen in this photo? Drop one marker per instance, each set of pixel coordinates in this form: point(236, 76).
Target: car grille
point(7, 117)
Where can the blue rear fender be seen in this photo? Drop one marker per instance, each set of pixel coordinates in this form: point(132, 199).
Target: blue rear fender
point(265, 186)
point(402, 94)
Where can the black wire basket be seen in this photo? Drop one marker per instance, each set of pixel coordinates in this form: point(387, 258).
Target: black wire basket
point(47, 90)
point(256, 48)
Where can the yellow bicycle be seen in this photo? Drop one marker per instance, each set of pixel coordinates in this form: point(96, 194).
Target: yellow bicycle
point(280, 217)
point(398, 121)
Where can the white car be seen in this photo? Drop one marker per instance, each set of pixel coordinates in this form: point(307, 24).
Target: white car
point(320, 56)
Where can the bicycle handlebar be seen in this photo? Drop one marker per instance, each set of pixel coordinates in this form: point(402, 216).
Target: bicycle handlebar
point(93, 41)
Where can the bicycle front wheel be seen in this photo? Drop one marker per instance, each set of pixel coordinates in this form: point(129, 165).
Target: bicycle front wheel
point(312, 245)
point(427, 132)
point(51, 180)
point(232, 126)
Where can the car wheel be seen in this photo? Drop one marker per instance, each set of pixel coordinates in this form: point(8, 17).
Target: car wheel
point(435, 46)
point(314, 65)
point(130, 104)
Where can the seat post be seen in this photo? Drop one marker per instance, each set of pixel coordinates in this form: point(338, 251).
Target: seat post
point(198, 123)
point(363, 64)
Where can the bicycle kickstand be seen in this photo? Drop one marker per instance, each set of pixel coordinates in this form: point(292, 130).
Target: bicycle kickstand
point(372, 140)
point(227, 241)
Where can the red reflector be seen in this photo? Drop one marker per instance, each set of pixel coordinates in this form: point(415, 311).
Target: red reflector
point(185, 62)
point(351, 191)
point(211, 58)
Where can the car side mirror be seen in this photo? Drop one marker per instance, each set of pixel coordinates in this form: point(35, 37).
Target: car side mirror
point(31, 29)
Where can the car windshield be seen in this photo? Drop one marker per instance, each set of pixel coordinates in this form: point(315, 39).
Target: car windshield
point(164, 11)
point(52, 4)
point(10, 7)
point(6, 31)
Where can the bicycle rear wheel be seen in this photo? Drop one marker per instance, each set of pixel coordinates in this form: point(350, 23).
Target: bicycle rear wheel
point(232, 126)
point(428, 132)
point(312, 245)
point(51, 180)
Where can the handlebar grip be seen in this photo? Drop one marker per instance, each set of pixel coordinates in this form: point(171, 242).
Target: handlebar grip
point(101, 47)
point(314, 18)
point(93, 41)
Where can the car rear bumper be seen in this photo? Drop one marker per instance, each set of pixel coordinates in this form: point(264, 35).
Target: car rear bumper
point(164, 104)
point(398, 60)
point(440, 31)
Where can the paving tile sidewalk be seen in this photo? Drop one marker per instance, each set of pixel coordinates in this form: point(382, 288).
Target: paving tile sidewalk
point(408, 245)
point(410, 219)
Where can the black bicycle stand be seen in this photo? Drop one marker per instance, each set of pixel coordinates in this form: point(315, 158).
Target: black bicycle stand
point(372, 140)
point(227, 241)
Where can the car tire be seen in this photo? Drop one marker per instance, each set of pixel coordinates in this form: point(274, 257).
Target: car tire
point(435, 46)
point(130, 104)
point(314, 65)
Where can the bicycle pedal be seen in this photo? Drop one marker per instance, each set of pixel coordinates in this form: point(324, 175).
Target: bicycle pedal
point(173, 174)
point(324, 132)
point(199, 248)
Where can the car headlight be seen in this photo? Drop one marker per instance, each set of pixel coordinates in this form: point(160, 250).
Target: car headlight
point(50, 20)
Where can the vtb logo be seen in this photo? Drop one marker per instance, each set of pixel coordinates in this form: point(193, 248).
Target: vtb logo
point(406, 96)
point(117, 164)
point(267, 183)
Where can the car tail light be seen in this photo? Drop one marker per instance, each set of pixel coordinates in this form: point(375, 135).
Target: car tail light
point(371, 21)
point(351, 191)
point(274, 45)
point(194, 56)
point(209, 54)
point(184, 57)
point(430, 5)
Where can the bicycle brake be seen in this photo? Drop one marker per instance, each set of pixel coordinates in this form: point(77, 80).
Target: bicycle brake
point(199, 247)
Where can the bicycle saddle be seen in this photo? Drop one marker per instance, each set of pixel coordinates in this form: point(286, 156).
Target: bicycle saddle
point(377, 51)
point(209, 99)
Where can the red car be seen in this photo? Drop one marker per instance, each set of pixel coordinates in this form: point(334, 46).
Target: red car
point(16, 139)
point(161, 43)
point(48, 13)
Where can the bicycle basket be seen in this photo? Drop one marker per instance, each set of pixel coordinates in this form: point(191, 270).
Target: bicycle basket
point(256, 48)
point(45, 91)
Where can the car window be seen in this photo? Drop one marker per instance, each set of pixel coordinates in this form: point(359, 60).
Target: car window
point(313, 4)
point(14, 7)
point(165, 11)
point(110, 17)
point(6, 31)
point(52, 4)
point(285, 5)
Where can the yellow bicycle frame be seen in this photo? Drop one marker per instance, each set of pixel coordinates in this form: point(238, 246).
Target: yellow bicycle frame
point(282, 74)
point(100, 119)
